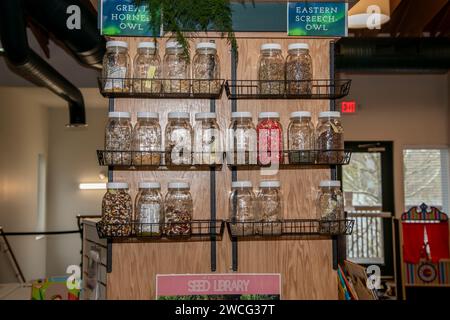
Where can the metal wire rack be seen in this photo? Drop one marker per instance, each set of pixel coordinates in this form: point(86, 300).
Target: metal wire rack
point(161, 88)
point(249, 159)
point(194, 230)
point(292, 89)
point(289, 228)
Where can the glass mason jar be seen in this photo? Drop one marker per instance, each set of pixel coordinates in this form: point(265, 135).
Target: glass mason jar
point(331, 207)
point(178, 137)
point(241, 139)
point(207, 139)
point(270, 138)
point(299, 69)
point(206, 69)
point(118, 135)
point(116, 67)
point(146, 142)
point(147, 65)
point(271, 69)
point(330, 138)
point(242, 208)
point(178, 209)
point(301, 138)
point(176, 69)
point(269, 210)
point(149, 209)
point(117, 210)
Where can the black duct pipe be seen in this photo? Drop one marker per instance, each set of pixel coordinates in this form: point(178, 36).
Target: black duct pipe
point(393, 55)
point(25, 62)
point(86, 44)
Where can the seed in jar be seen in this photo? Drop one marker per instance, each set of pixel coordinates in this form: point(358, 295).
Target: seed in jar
point(298, 76)
point(178, 222)
point(206, 86)
point(271, 77)
point(176, 86)
point(118, 143)
point(147, 86)
point(328, 143)
point(150, 158)
point(117, 214)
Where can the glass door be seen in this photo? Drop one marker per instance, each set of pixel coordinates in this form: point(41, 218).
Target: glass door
point(367, 183)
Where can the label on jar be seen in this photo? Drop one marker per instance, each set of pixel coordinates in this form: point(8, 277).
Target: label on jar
point(151, 71)
point(210, 145)
point(115, 74)
point(150, 213)
point(180, 139)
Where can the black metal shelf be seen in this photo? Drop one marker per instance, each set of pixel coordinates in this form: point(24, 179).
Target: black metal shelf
point(291, 159)
point(151, 160)
point(290, 228)
point(158, 160)
point(282, 89)
point(161, 88)
point(195, 230)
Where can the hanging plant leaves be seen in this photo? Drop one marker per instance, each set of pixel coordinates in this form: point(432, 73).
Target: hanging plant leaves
point(180, 16)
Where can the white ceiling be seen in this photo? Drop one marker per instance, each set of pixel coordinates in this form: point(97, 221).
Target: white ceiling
point(60, 60)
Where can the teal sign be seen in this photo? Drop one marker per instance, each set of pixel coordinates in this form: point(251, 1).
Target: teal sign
point(317, 19)
point(124, 18)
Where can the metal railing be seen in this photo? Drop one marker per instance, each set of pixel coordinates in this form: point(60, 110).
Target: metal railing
point(366, 244)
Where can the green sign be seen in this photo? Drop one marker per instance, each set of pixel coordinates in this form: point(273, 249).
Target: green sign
point(124, 18)
point(317, 19)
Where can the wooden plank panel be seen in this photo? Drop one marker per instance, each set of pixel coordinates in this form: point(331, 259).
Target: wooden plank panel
point(297, 261)
point(306, 266)
point(136, 265)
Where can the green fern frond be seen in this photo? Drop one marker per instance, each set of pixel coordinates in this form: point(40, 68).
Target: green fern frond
point(178, 16)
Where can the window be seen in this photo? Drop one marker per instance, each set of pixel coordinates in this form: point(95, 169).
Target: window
point(426, 177)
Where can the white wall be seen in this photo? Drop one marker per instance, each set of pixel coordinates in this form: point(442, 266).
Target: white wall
point(411, 110)
point(72, 160)
point(23, 132)
point(32, 121)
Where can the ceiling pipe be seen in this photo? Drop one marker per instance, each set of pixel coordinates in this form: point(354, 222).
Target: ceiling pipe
point(86, 44)
point(425, 55)
point(25, 62)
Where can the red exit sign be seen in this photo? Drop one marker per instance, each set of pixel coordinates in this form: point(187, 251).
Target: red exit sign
point(348, 106)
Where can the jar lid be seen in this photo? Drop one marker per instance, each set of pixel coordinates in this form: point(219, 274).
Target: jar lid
point(149, 185)
point(173, 45)
point(271, 46)
point(117, 185)
point(330, 114)
point(294, 46)
point(235, 115)
point(301, 114)
point(116, 114)
point(149, 115)
point(121, 44)
point(205, 115)
point(241, 184)
point(178, 115)
point(264, 115)
point(269, 184)
point(178, 185)
point(147, 44)
point(330, 183)
point(207, 45)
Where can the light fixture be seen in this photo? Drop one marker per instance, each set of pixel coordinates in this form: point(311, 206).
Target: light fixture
point(370, 14)
point(92, 186)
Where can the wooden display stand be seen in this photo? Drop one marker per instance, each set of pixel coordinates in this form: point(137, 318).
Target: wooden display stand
point(306, 266)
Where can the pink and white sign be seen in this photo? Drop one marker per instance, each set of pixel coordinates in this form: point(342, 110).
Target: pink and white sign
point(226, 284)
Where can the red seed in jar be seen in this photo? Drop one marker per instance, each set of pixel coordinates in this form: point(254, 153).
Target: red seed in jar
point(270, 139)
